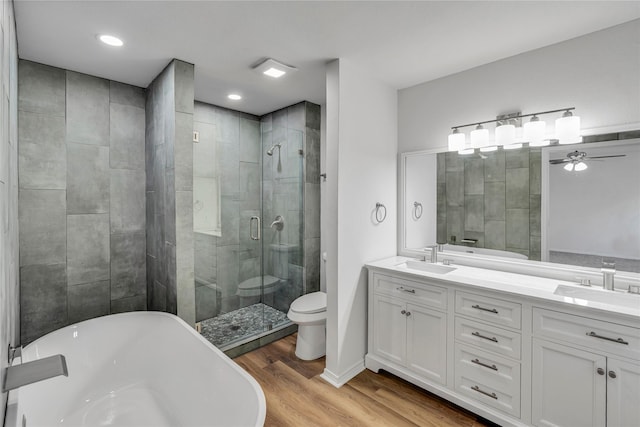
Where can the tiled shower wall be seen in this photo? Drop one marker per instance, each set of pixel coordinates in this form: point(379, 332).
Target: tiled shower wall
point(169, 191)
point(9, 316)
point(81, 198)
point(493, 198)
point(304, 117)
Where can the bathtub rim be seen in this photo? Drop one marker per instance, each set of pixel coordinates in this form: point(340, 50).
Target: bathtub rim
point(11, 409)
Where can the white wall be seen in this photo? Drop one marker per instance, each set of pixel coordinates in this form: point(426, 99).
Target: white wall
point(421, 184)
point(361, 170)
point(597, 211)
point(9, 293)
point(598, 73)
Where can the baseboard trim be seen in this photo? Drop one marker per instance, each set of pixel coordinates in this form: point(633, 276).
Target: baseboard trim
point(339, 380)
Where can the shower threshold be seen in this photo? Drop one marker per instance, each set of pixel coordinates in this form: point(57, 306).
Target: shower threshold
point(245, 324)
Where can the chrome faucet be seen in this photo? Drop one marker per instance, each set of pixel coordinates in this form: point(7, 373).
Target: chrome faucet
point(434, 252)
point(608, 271)
point(34, 371)
point(278, 224)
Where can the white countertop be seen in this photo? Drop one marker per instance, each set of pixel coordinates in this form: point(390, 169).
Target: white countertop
point(518, 284)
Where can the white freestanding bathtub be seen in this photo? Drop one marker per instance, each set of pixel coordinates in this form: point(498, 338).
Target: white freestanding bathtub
point(136, 369)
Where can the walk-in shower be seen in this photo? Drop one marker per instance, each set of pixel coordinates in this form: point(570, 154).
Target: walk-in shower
point(249, 221)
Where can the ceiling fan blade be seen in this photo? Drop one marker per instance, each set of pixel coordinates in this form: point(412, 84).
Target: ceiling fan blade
point(605, 157)
point(559, 161)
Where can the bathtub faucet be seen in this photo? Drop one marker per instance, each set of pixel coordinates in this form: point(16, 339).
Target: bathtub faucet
point(34, 371)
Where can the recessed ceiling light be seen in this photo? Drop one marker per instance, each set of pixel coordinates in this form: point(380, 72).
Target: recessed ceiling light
point(110, 40)
point(272, 68)
point(234, 97)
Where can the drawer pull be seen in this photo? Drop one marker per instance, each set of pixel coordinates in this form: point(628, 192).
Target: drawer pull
point(491, 395)
point(477, 334)
point(411, 291)
point(490, 310)
point(618, 340)
point(477, 362)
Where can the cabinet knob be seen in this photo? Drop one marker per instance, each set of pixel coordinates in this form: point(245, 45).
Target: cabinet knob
point(612, 374)
point(600, 371)
point(408, 313)
point(403, 312)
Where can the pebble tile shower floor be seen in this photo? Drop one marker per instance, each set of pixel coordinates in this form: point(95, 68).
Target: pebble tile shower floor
point(248, 321)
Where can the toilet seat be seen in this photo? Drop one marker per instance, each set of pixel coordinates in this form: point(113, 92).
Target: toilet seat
point(314, 302)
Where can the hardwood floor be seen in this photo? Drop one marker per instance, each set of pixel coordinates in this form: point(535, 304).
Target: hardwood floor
point(297, 396)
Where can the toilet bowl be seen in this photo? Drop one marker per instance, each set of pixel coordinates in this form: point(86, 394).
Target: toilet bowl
point(310, 313)
point(254, 289)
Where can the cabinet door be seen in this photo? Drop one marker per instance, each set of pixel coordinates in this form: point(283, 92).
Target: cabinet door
point(389, 328)
point(623, 393)
point(567, 388)
point(427, 343)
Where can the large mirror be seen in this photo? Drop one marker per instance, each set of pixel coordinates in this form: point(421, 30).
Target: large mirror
point(568, 204)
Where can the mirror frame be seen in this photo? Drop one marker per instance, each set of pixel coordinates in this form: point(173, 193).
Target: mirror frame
point(537, 268)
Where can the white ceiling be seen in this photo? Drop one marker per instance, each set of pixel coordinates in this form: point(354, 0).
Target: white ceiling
point(403, 43)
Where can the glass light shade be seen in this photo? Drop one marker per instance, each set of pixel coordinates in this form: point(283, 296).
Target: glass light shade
point(534, 132)
point(479, 137)
point(456, 141)
point(505, 134)
point(466, 150)
point(568, 130)
point(568, 167)
point(580, 166)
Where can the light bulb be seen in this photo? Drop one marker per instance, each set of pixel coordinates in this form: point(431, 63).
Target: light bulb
point(568, 167)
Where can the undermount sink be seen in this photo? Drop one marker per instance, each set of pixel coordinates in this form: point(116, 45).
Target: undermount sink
point(601, 296)
point(427, 267)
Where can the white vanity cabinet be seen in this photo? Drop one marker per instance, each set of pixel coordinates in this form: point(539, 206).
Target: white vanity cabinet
point(584, 371)
point(505, 346)
point(409, 325)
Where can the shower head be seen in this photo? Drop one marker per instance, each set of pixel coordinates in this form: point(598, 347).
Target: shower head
point(273, 147)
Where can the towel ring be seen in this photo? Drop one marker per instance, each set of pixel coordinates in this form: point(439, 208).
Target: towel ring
point(381, 210)
point(417, 210)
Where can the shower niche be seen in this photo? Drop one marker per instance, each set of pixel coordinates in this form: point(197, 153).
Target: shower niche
point(252, 176)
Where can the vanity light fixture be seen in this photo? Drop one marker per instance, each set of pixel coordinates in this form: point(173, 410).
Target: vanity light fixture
point(272, 68)
point(110, 40)
point(510, 135)
point(234, 97)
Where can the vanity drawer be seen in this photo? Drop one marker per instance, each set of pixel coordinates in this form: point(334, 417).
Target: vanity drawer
point(414, 292)
point(605, 336)
point(498, 340)
point(488, 378)
point(498, 311)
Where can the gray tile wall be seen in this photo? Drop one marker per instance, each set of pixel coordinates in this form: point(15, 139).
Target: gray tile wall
point(493, 198)
point(81, 198)
point(169, 192)
point(9, 262)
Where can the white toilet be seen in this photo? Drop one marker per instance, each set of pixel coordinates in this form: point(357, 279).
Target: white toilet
point(310, 313)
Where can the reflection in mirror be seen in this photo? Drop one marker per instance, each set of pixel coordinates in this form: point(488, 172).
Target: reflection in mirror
point(517, 204)
point(594, 212)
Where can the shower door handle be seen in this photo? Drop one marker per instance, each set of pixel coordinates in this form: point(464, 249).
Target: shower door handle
point(257, 220)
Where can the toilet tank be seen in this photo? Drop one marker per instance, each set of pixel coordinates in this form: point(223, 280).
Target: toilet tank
point(281, 253)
